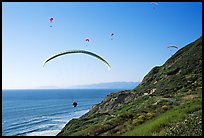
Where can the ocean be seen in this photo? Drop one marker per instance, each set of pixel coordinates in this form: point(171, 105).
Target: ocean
point(45, 112)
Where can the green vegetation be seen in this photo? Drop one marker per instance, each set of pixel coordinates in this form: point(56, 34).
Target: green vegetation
point(168, 102)
point(154, 126)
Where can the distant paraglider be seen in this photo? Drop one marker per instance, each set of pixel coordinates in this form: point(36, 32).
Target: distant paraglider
point(51, 19)
point(172, 47)
point(74, 104)
point(87, 40)
point(79, 52)
point(112, 34)
point(154, 4)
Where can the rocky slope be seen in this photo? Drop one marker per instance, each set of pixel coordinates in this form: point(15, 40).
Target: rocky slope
point(167, 102)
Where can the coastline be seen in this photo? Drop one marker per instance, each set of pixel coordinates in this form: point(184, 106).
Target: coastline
point(85, 111)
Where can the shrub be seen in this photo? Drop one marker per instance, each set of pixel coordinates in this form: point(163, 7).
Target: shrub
point(165, 107)
point(149, 115)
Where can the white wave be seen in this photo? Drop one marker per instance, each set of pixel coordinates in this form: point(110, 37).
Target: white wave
point(29, 119)
point(63, 120)
point(44, 133)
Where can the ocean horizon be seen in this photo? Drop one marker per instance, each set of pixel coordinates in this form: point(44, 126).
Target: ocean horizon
point(44, 112)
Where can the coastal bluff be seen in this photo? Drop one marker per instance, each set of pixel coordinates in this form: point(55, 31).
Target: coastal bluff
point(168, 102)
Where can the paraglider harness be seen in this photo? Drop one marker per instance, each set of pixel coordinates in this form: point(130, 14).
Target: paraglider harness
point(74, 104)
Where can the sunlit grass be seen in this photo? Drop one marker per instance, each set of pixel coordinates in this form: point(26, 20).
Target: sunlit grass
point(150, 127)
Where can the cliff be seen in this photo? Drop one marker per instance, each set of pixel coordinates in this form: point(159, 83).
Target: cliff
point(168, 101)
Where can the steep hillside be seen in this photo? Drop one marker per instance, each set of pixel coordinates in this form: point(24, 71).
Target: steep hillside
point(167, 102)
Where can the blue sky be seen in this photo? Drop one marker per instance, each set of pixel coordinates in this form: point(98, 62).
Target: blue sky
point(141, 35)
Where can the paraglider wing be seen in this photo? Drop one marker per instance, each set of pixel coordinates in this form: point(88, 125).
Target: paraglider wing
point(172, 47)
point(79, 52)
point(87, 40)
point(155, 3)
point(51, 19)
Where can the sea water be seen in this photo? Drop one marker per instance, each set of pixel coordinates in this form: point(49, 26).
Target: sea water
point(45, 112)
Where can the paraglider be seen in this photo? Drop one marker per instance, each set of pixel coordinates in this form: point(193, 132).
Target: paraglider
point(78, 52)
point(172, 47)
point(51, 19)
point(74, 104)
point(87, 40)
point(112, 36)
point(154, 3)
